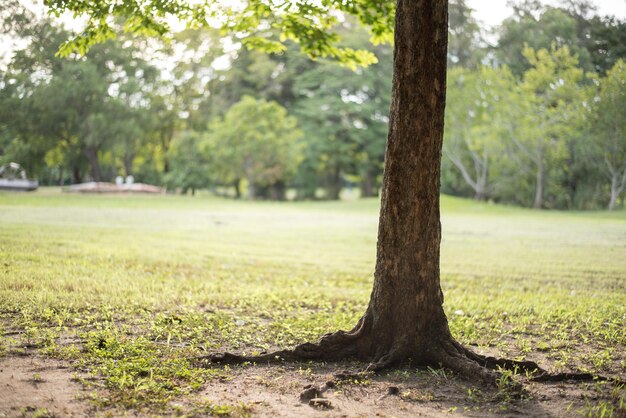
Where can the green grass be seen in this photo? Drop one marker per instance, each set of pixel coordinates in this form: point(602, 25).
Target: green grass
point(130, 287)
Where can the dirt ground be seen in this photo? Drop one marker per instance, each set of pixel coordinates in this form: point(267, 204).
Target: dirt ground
point(32, 385)
point(37, 386)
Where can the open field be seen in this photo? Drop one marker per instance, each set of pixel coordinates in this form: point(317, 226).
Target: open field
point(126, 290)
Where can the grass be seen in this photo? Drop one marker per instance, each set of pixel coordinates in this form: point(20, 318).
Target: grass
point(131, 287)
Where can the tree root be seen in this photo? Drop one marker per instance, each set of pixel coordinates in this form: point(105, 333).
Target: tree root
point(446, 353)
point(535, 373)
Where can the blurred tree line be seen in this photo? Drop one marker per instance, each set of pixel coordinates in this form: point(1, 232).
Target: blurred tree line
point(536, 111)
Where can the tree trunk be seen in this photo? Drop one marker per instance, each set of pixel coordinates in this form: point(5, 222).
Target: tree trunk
point(617, 186)
point(251, 189)
point(539, 186)
point(405, 314)
point(128, 164)
point(482, 171)
point(76, 175)
point(334, 184)
point(613, 193)
point(368, 184)
point(92, 157)
point(279, 191)
point(236, 185)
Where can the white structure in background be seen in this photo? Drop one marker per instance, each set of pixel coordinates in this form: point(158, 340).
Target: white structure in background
point(13, 177)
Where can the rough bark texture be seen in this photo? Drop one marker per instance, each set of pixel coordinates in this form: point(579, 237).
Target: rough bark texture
point(406, 303)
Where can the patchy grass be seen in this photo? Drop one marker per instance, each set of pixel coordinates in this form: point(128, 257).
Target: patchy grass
point(129, 288)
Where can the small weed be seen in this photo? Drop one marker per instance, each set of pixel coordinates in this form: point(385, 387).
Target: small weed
point(35, 413)
point(601, 409)
point(439, 373)
point(206, 407)
point(601, 359)
point(507, 388)
point(417, 395)
point(307, 372)
point(474, 395)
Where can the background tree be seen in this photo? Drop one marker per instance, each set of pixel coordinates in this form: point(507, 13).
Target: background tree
point(190, 168)
point(62, 111)
point(466, 46)
point(596, 41)
point(345, 116)
point(607, 129)
point(259, 142)
point(476, 119)
point(545, 112)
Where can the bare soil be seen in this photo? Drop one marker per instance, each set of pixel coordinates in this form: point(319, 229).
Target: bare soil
point(31, 385)
point(272, 391)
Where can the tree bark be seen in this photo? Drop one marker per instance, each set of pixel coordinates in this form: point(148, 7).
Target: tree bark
point(405, 312)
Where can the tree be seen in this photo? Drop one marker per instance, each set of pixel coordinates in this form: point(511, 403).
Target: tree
point(475, 118)
point(546, 113)
point(607, 130)
point(345, 117)
point(597, 41)
point(465, 42)
point(256, 141)
point(68, 113)
point(189, 164)
point(538, 27)
point(603, 36)
point(405, 319)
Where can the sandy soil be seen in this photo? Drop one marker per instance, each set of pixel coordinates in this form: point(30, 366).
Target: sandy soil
point(272, 391)
point(32, 384)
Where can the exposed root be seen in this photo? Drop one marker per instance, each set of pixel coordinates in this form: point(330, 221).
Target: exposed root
point(445, 352)
point(456, 360)
point(335, 346)
point(534, 372)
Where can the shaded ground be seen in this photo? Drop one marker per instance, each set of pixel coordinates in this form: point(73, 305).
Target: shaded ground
point(32, 385)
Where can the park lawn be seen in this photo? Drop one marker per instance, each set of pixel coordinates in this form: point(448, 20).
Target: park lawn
point(130, 288)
